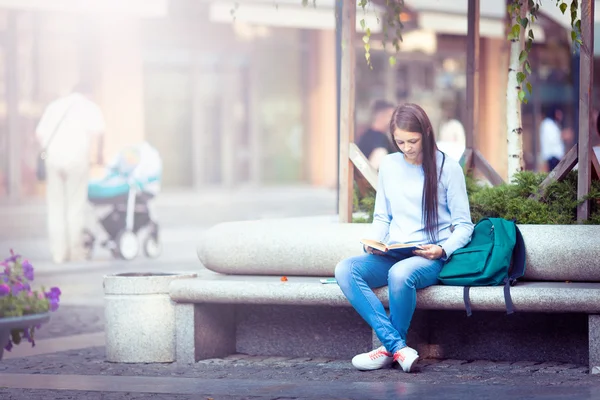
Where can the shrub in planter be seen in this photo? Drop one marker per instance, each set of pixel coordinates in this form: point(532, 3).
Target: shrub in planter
point(520, 200)
point(19, 302)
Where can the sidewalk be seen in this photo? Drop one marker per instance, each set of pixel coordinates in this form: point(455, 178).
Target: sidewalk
point(189, 208)
point(74, 370)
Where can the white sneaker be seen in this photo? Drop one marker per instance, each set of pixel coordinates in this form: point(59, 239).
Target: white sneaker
point(375, 359)
point(407, 357)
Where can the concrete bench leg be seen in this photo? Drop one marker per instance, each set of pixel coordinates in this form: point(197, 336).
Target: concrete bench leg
point(204, 331)
point(594, 338)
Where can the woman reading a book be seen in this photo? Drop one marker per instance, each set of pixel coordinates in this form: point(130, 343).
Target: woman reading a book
point(421, 200)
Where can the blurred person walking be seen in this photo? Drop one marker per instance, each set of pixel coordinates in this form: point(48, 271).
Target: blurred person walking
point(66, 132)
point(552, 147)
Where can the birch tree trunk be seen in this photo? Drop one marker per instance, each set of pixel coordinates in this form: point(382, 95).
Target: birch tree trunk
point(513, 108)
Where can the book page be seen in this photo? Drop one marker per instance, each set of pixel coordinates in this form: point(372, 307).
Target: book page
point(374, 244)
point(402, 246)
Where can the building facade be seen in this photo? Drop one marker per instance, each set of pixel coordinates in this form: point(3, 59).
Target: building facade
point(246, 96)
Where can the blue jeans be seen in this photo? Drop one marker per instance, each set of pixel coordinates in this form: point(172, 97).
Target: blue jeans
point(357, 276)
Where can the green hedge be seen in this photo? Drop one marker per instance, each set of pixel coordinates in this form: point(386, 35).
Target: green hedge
point(557, 204)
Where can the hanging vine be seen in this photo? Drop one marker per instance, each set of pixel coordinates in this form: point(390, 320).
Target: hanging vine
point(525, 23)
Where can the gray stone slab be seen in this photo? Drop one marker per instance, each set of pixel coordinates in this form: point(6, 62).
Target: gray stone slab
point(297, 331)
point(140, 328)
point(312, 247)
point(214, 330)
point(185, 335)
point(140, 317)
point(527, 296)
point(594, 343)
point(141, 283)
point(496, 336)
point(294, 246)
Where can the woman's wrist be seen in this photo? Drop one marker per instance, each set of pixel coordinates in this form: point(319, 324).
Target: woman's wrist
point(443, 251)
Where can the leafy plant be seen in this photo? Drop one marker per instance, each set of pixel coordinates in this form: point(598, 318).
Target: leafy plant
point(17, 298)
point(522, 201)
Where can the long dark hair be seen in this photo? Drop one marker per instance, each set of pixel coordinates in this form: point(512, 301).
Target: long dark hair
point(412, 118)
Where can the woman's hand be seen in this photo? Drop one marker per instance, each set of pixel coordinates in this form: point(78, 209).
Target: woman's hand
point(371, 250)
point(430, 252)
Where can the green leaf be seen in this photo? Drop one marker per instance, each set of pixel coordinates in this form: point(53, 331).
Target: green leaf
point(521, 95)
point(563, 7)
point(367, 47)
point(531, 34)
point(522, 56)
point(528, 67)
point(516, 31)
point(520, 77)
point(573, 35)
point(368, 31)
point(529, 88)
point(362, 23)
point(392, 60)
point(524, 22)
point(365, 39)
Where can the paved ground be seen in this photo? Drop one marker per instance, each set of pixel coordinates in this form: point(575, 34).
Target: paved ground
point(69, 362)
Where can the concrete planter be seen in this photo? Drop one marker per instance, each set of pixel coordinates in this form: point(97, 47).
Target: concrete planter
point(140, 317)
point(11, 323)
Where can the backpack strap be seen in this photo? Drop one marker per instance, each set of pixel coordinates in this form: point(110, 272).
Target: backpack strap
point(517, 271)
point(467, 300)
point(519, 258)
point(510, 307)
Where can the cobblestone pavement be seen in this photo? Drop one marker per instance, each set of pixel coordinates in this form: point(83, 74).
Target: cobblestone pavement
point(91, 361)
point(72, 320)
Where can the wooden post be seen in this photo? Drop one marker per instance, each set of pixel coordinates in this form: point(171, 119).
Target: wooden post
point(586, 117)
point(472, 74)
point(347, 96)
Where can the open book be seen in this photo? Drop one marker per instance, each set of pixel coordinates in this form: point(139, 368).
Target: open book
point(397, 249)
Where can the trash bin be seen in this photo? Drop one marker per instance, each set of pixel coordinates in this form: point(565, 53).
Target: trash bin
point(140, 317)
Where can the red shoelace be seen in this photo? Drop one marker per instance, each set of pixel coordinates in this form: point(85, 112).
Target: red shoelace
point(378, 353)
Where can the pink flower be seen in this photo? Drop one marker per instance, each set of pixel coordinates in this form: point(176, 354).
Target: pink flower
point(4, 289)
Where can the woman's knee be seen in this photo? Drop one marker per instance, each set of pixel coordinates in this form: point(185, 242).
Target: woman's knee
point(343, 271)
point(399, 275)
point(417, 273)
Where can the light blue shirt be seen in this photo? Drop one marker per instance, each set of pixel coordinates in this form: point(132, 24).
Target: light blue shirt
point(398, 210)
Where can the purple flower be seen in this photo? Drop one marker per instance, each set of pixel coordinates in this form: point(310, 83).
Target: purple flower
point(54, 293)
point(17, 288)
point(9, 345)
point(13, 257)
point(53, 298)
point(28, 270)
point(53, 305)
point(4, 289)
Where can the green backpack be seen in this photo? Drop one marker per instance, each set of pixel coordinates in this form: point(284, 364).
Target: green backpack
point(494, 256)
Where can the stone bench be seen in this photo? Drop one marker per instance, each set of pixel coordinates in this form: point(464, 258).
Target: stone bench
point(245, 307)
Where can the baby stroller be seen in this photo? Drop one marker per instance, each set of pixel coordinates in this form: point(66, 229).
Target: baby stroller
point(131, 180)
